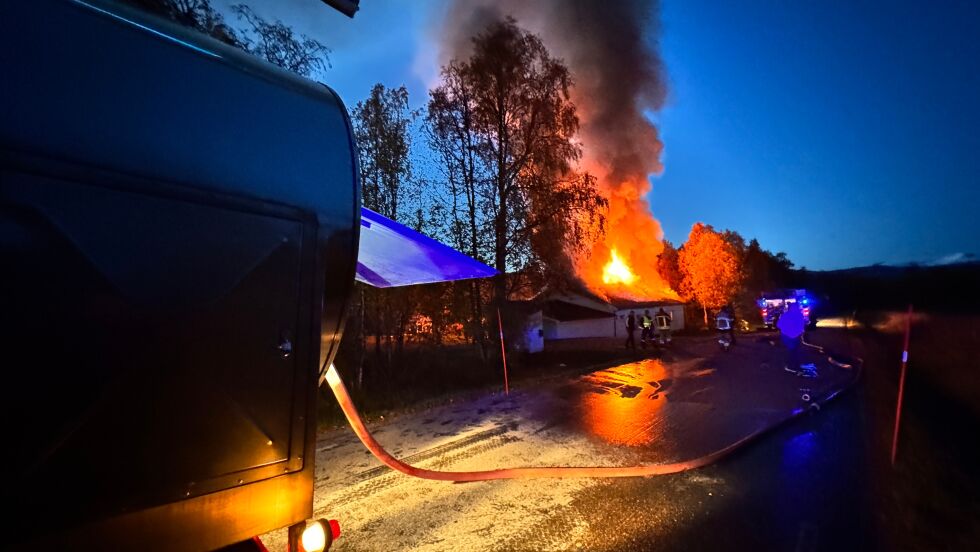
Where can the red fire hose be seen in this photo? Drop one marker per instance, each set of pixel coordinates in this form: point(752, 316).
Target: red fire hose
point(354, 418)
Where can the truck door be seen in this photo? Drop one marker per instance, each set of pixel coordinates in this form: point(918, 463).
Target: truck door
point(157, 331)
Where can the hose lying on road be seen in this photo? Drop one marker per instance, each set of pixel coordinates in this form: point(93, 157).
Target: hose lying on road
point(830, 359)
point(354, 418)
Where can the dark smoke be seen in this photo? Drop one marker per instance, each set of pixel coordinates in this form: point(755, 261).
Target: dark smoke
point(610, 48)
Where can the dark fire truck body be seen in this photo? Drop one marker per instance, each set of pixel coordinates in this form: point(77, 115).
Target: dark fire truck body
point(180, 230)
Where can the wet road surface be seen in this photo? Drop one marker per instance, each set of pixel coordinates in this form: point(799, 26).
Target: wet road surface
point(803, 487)
point(799, 487)
point(685, 407)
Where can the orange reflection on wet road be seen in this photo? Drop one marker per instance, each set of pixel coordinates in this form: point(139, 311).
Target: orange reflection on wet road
point(623, 405)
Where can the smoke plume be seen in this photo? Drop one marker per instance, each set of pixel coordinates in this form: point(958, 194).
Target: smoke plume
point(610, 49)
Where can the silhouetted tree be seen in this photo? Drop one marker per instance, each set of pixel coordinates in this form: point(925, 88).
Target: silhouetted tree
point(504, 118)
point(765, 270)
point(453, 135)
point(383, 142)
point(381, 124)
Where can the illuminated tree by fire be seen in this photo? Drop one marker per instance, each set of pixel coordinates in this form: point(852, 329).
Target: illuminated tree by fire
point(711, 269)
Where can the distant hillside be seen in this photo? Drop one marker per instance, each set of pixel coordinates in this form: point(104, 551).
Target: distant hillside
point(944, 288)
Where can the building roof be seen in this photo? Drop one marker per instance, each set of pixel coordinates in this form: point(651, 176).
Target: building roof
point(622, 304)
point(581, 304)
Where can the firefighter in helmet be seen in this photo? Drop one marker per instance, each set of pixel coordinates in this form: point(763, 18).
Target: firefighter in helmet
point(662, 320)
point(646, 333)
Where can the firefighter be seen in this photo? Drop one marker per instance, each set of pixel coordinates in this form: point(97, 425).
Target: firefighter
point(630, 330)
point(663, 320)
point(646, 334)
point(791, 326)
point(728, 312)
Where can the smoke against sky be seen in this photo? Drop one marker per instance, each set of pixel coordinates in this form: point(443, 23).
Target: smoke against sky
point(842, 133)
point(609, 49)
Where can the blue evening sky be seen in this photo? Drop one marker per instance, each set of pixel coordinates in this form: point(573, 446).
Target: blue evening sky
point(844, 133)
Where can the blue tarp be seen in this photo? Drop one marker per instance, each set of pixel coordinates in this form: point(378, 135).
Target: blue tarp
point(391, 254)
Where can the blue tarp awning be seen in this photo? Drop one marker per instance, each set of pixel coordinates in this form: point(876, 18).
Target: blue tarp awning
point(391, 254)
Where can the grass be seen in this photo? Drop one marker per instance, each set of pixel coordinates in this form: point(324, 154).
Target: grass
point(929, 499)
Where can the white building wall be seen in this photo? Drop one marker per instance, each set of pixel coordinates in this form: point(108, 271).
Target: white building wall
point(550, 328)
point(592, 327)
point(534, 333)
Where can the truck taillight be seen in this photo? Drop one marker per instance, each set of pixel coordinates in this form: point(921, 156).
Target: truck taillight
point(319, 535)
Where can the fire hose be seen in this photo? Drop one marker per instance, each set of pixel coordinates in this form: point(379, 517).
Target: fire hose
point(332, 377)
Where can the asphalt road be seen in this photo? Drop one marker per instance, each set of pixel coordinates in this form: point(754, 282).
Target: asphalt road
point(802, 486)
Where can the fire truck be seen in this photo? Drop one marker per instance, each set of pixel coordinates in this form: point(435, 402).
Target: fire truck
point(774, 303)
point(181, 231)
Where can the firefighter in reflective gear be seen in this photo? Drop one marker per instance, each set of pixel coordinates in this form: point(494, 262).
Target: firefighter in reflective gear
point(646, 333)
point(662, 322)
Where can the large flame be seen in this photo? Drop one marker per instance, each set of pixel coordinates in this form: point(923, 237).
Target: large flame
point(617, 272)
point(631, 244)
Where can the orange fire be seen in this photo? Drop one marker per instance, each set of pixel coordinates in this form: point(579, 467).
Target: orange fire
point(616, 272)
point(623, 264)
point(622, 158)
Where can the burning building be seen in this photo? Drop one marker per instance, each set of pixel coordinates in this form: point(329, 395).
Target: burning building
point(579, 315)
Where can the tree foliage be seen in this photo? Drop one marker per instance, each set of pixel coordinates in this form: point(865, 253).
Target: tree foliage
point(453, 135)
point(381, 129)
point(717, 268)
point(668, 265)
point(503, 121)
point(711, 268)
point(383, 143)
point(465, 200)
point(764, 270)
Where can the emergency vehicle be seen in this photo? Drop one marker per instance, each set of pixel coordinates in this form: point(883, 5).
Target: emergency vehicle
point(775, 303)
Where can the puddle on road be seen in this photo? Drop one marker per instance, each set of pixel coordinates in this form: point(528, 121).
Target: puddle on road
point(624, 405)
point(670, 411)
